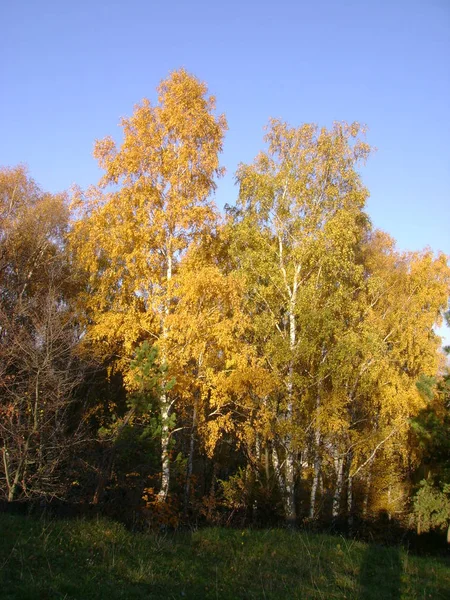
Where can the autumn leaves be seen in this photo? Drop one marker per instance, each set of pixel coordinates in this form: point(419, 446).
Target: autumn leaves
point(286, 328)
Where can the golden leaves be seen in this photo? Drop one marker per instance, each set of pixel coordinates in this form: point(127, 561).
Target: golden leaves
point(293, 322)
point(131, 238)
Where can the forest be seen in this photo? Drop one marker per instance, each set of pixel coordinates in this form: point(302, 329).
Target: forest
point(274, 362)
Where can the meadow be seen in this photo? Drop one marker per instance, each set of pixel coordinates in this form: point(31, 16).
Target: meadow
point(94, 559)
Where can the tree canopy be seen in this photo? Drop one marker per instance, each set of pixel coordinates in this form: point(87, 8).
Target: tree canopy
point(279, 360)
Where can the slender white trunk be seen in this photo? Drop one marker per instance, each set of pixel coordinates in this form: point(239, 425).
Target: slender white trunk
point(315, 484)
point(285, 479)
point(266, 451)
point(276, 468)
point(258, 449)
point(339, 467)
point(350, 492)
point(367, 490)
point(389, 502)
point(190, 463)
point(350, 502)
point(289, 470)
point(266, 462)
point(289, 505)
point(165, 439)
point(164, 400)
point(287, 487)
point(255, 506)
point(317, 464)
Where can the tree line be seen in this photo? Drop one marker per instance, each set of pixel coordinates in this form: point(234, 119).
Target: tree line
point(278, 360)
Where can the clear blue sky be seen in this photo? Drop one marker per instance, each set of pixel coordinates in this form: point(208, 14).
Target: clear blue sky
point(70, 70)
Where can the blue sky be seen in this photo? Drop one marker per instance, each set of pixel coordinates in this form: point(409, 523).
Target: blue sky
point(70, 70)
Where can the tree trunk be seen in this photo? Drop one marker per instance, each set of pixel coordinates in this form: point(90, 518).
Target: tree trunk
point(165, 457)
point(317, 464)
point(349, 491)
point(285, 478)
point(350, 503)
point(13, 489)
point(389, 513)
point(164, 400)
point(258, 450)
point(108, 462)
point(257, 482)
point(6, 467)
point(289, 471)
point(339, 467)
point(277, 470)
point(289, 504)
point(367, 491)
point(278, 473)
point(190, 463)
point(315, 485)
point(105, 474)
point(267, 462)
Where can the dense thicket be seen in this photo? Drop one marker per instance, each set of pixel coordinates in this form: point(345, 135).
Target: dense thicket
point(279, 360)
point(39, 335)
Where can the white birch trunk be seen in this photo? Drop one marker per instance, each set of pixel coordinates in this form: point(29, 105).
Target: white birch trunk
point(289, 505)
point(277, 470)
point(350, 492)
point(164, 401)
point(350, 503)
point(317, 466)
point(339, 467)
point(190, 463)
point(367, 491)
point(287, 487)
point(389, 502)
point(165, 439)
point(289, 471)
point(315, 484)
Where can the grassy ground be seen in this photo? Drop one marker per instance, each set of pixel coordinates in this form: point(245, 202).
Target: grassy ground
point(100, 559)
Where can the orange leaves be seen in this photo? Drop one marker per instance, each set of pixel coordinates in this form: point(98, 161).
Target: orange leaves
point(160, 513)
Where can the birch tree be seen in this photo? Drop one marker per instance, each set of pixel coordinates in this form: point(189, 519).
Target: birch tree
point(298, 223)
point(152, 202)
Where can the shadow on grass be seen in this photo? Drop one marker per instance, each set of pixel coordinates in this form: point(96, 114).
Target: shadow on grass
point(96, 559)
point(381, 574)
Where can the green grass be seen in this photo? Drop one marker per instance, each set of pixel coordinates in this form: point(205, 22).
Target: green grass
point(100, 559)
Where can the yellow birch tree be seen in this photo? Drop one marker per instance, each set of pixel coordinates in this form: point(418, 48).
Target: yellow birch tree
point(297, 225)
point(152, 202)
